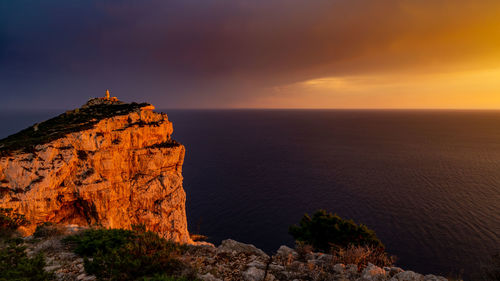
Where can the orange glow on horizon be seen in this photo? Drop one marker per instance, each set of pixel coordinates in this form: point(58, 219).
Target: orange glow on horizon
point(461, 90)
point(427, 57)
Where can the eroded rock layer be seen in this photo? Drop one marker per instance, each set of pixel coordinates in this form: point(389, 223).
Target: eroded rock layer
point(108, 164)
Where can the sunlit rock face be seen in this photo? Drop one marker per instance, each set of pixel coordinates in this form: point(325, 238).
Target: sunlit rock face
point(115, 169)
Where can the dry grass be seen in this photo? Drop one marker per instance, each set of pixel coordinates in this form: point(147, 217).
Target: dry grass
point(303, 250)
point(361, 256)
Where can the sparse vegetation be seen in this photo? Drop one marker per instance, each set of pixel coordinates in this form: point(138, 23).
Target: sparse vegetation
point(90, 241)
point(362, 255)
point(117, 254)
point(348, 242)
point(48, 229)
point(59, 126)
point(14, 262)
point(325, 230)
point(303, 250)
point(16, 265)
point(166, 144)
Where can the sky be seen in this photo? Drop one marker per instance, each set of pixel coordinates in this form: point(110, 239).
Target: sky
point(251, 54)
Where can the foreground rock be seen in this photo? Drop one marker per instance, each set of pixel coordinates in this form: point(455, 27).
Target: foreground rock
point(237, 261)
point(231, 261)
point(107, 163)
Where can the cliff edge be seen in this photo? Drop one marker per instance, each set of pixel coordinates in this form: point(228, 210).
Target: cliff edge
point(107, 163)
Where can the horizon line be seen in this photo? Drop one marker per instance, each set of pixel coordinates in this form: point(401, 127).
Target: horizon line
point(329, 108)
point(283, 108)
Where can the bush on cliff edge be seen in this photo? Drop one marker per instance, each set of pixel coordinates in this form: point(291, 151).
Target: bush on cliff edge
point(325, 230)
point(348, 242)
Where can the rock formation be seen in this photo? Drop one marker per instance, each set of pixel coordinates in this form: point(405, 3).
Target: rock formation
point(234, 261)
point(106, 163)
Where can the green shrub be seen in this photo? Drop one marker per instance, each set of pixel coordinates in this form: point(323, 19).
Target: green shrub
point(89, 242)
point(48, 229)
point(118, 254)
point(15, 264)
point(325, 230)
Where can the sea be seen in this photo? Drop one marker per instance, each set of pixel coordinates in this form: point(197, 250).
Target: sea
point(427, 181)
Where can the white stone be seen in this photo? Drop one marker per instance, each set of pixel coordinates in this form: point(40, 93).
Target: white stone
point(395, 270)
point(52, 267)
point(276, 267)
point(372, 272)
point(286, 252)
point(257, 264)
point(253, 274)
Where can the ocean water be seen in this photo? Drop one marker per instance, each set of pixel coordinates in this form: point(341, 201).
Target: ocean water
point(428, 182)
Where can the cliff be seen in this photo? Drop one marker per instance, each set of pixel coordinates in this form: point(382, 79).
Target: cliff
point(106, 163)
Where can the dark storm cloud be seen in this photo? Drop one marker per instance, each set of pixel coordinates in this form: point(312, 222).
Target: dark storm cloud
point(210, 53)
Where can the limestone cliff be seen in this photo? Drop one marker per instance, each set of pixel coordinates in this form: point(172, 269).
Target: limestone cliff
point(106, 163)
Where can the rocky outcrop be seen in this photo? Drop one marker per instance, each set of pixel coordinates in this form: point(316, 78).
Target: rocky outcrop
point(106, 163)
point(237, 261)
point(231, 261)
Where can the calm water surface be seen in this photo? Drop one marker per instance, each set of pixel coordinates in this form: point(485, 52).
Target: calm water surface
point(428, 182)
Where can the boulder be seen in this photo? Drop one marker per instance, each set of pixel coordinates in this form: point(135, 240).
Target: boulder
point(231, 246)
point(431, 277)
point(408, 276)
point(286, 252)
point(373, 273)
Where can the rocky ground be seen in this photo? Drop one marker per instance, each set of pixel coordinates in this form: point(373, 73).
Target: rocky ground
point(237, 261)
point(233, 260)
point(59, 258)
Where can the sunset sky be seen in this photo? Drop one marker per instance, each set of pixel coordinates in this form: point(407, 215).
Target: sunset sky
point(252, 54)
